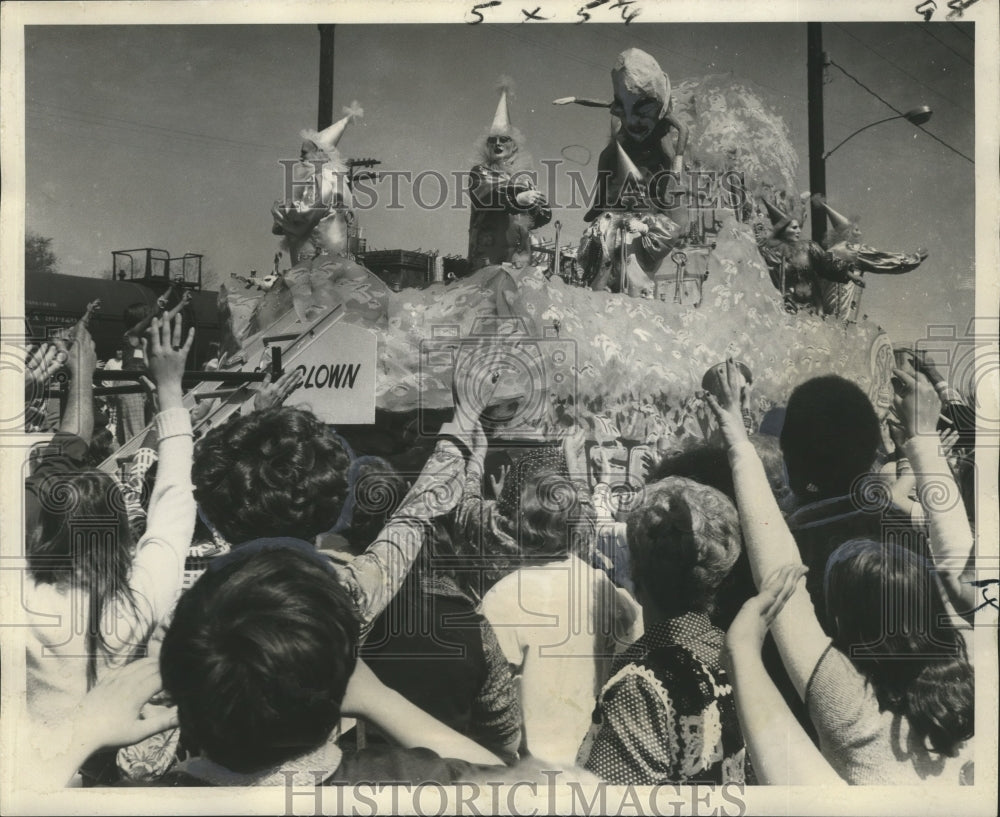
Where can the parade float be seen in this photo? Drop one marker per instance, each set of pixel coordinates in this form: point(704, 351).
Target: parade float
point(552, 349)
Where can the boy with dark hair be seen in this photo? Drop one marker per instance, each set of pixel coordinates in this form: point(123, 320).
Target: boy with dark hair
point(260, 661)
point(830, 441)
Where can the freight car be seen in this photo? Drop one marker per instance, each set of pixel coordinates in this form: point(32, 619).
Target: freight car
point(53, 301)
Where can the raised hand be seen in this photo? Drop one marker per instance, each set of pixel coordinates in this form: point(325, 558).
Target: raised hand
point(271, 395)
point(166, 354)
point(43, 361)
point(916, 403)
point(727, 403)
point(497, 482)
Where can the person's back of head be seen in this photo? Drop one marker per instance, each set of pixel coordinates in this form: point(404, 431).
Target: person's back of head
point(830, 437)
point(374, 491)
point(77, 535)
point(707, 464)
point(887, 616)
point(683, 541)
point(278, 472)
point(554, 518)
point(258, 657)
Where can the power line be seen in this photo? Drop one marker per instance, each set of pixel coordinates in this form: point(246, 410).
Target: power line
point(917, 80)
point(926, 28)
point(90, 117)
point(894, 108)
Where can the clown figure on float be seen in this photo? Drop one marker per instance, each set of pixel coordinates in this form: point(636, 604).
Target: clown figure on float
point(506, 206)
point(642, 111)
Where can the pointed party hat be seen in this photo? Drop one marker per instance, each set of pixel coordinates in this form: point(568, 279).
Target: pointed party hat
point(837, 220)
point(501, 119)
point(327, 139)
point(778, 219)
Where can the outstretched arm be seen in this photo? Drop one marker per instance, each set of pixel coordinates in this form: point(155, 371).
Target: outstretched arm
point(579, 100)
point(951, 540)
point(81, 361)
point(783, 754)
point(888, 263)
point(769, 543)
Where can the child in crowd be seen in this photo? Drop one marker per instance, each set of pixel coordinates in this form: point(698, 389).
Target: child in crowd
point(261, 662)
point(559, 620)
point(81, 555)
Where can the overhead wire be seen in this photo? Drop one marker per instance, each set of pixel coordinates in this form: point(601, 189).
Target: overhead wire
point(926, 28)
point(892, 107)
point(949, 99)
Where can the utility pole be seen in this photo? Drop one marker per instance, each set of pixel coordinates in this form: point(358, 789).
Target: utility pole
point(325, 107)
point(816, 60)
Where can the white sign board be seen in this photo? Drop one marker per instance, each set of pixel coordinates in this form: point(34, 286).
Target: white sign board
point(338, 365)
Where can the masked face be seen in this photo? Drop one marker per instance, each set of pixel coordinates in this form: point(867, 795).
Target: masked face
point(637, 111)
point(501, 148)
point(854, 234)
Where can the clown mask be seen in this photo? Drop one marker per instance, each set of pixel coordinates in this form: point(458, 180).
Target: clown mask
point(642, 93)
point(501, 148)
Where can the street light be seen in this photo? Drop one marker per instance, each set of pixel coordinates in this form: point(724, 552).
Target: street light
point(916, 116)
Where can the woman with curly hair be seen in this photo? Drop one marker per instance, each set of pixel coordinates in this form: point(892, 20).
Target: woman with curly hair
point(667, 714)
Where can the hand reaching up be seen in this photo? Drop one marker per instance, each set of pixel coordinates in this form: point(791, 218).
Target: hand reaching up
point(916, 403)
point(166, 355)
point(727, 404)
point(271, 395)
point(43, 362)
point(497, 482)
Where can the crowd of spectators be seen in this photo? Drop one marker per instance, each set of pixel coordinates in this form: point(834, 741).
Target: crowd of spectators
point(788, 605)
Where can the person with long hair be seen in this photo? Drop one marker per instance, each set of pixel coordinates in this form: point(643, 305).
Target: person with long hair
point(96, 594)
point(890, 691)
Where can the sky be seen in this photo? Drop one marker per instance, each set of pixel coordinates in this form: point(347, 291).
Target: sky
point(170, 136)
